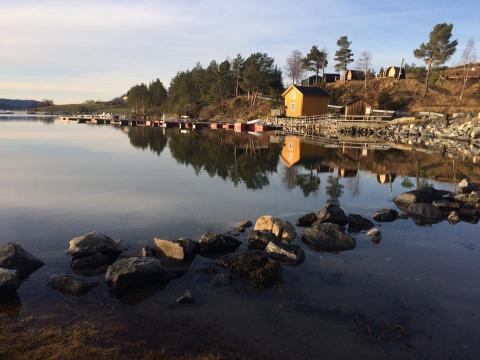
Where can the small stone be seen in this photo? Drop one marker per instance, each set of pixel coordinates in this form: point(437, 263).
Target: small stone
point(453, 217)
point(186, 298)
point(222, 279)
point(385, 215)
point(375, 235)
point(291, 254)
point(180, 249)
point(242, 225)
point(358, 223)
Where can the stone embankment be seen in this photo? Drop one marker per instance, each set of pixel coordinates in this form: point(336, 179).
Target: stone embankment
point(461, 134)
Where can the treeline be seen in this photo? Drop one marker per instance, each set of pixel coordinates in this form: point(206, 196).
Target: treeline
point(192, 89)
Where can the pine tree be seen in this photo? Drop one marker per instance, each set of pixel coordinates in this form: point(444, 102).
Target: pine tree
point(343, 56)
point(315, 60)
point(437, 50)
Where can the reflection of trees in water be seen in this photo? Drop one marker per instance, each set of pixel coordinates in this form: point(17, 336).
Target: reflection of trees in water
point(145, 137)
point(334, 190)
point(308, 182)
point(215, 156)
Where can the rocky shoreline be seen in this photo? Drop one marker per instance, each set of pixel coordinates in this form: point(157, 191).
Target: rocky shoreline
point(459, 135)
point(269, 246)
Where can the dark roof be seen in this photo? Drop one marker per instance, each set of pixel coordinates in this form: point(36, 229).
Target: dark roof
point(354, 100)
point(312, 91)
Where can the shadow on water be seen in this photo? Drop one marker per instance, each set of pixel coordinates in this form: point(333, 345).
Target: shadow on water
point(10, 304)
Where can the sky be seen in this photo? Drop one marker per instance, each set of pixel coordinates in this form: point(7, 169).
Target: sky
point(72, 51)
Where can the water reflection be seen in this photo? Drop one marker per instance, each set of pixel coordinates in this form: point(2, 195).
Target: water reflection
point(247, 159)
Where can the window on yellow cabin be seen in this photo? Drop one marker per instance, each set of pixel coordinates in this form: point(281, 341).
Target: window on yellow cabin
point(293, 96)
point(292, 106)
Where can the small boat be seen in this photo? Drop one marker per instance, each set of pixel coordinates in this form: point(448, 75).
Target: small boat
point(7, 112)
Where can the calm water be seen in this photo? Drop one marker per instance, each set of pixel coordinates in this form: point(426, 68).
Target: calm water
point(414, 295)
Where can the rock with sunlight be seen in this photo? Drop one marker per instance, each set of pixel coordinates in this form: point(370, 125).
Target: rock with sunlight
point(282, 229)
point(328, 237)
point(15, 257)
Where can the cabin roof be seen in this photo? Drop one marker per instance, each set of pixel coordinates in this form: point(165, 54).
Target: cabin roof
point(308, 90)
point(352, 100)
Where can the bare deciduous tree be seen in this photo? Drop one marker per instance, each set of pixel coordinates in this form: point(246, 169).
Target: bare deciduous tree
point(364, 62)
point(469, 57)
point(295, 66)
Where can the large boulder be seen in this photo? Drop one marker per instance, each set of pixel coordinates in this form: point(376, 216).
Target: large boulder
point(94, 243)
point(93, 251)
point(15, 257)
point(259, 239)
point(211, 243)
point(307, 220)
point(328, 237)
point(358, 223)
point(291, 254)
point(385, 215)
point(256, 267)
point(71, 285)
point(180, 249)
point(332, 213)
point(424, 195)
point(282, 229)
point(135, 272)
point(423, 213)
point(9, 280)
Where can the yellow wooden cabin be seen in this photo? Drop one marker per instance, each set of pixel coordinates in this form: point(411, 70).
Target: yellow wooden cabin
point(305, 101)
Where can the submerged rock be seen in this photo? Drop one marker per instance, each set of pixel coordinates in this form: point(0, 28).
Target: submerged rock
point(92, 264)
point(15, 257)
point(385, 215)
point(71, 285)
point(328, 237)
point(332, 213)
point(283, 230)
point(180, 249)
point(211, 243)
point(136, 272)
point(222, 279)
point(307, 220)
point(256, 267)
point(292, 254)
point(358, 223)
point(9, 280)
point(186, 298)
point(424, 195)
point(446, 204)
point(259, 239)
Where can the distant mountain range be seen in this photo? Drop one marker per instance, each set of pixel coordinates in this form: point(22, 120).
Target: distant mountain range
point(15, 104)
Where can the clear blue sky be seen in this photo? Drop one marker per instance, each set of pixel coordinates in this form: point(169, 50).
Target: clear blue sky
point(71, 51)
